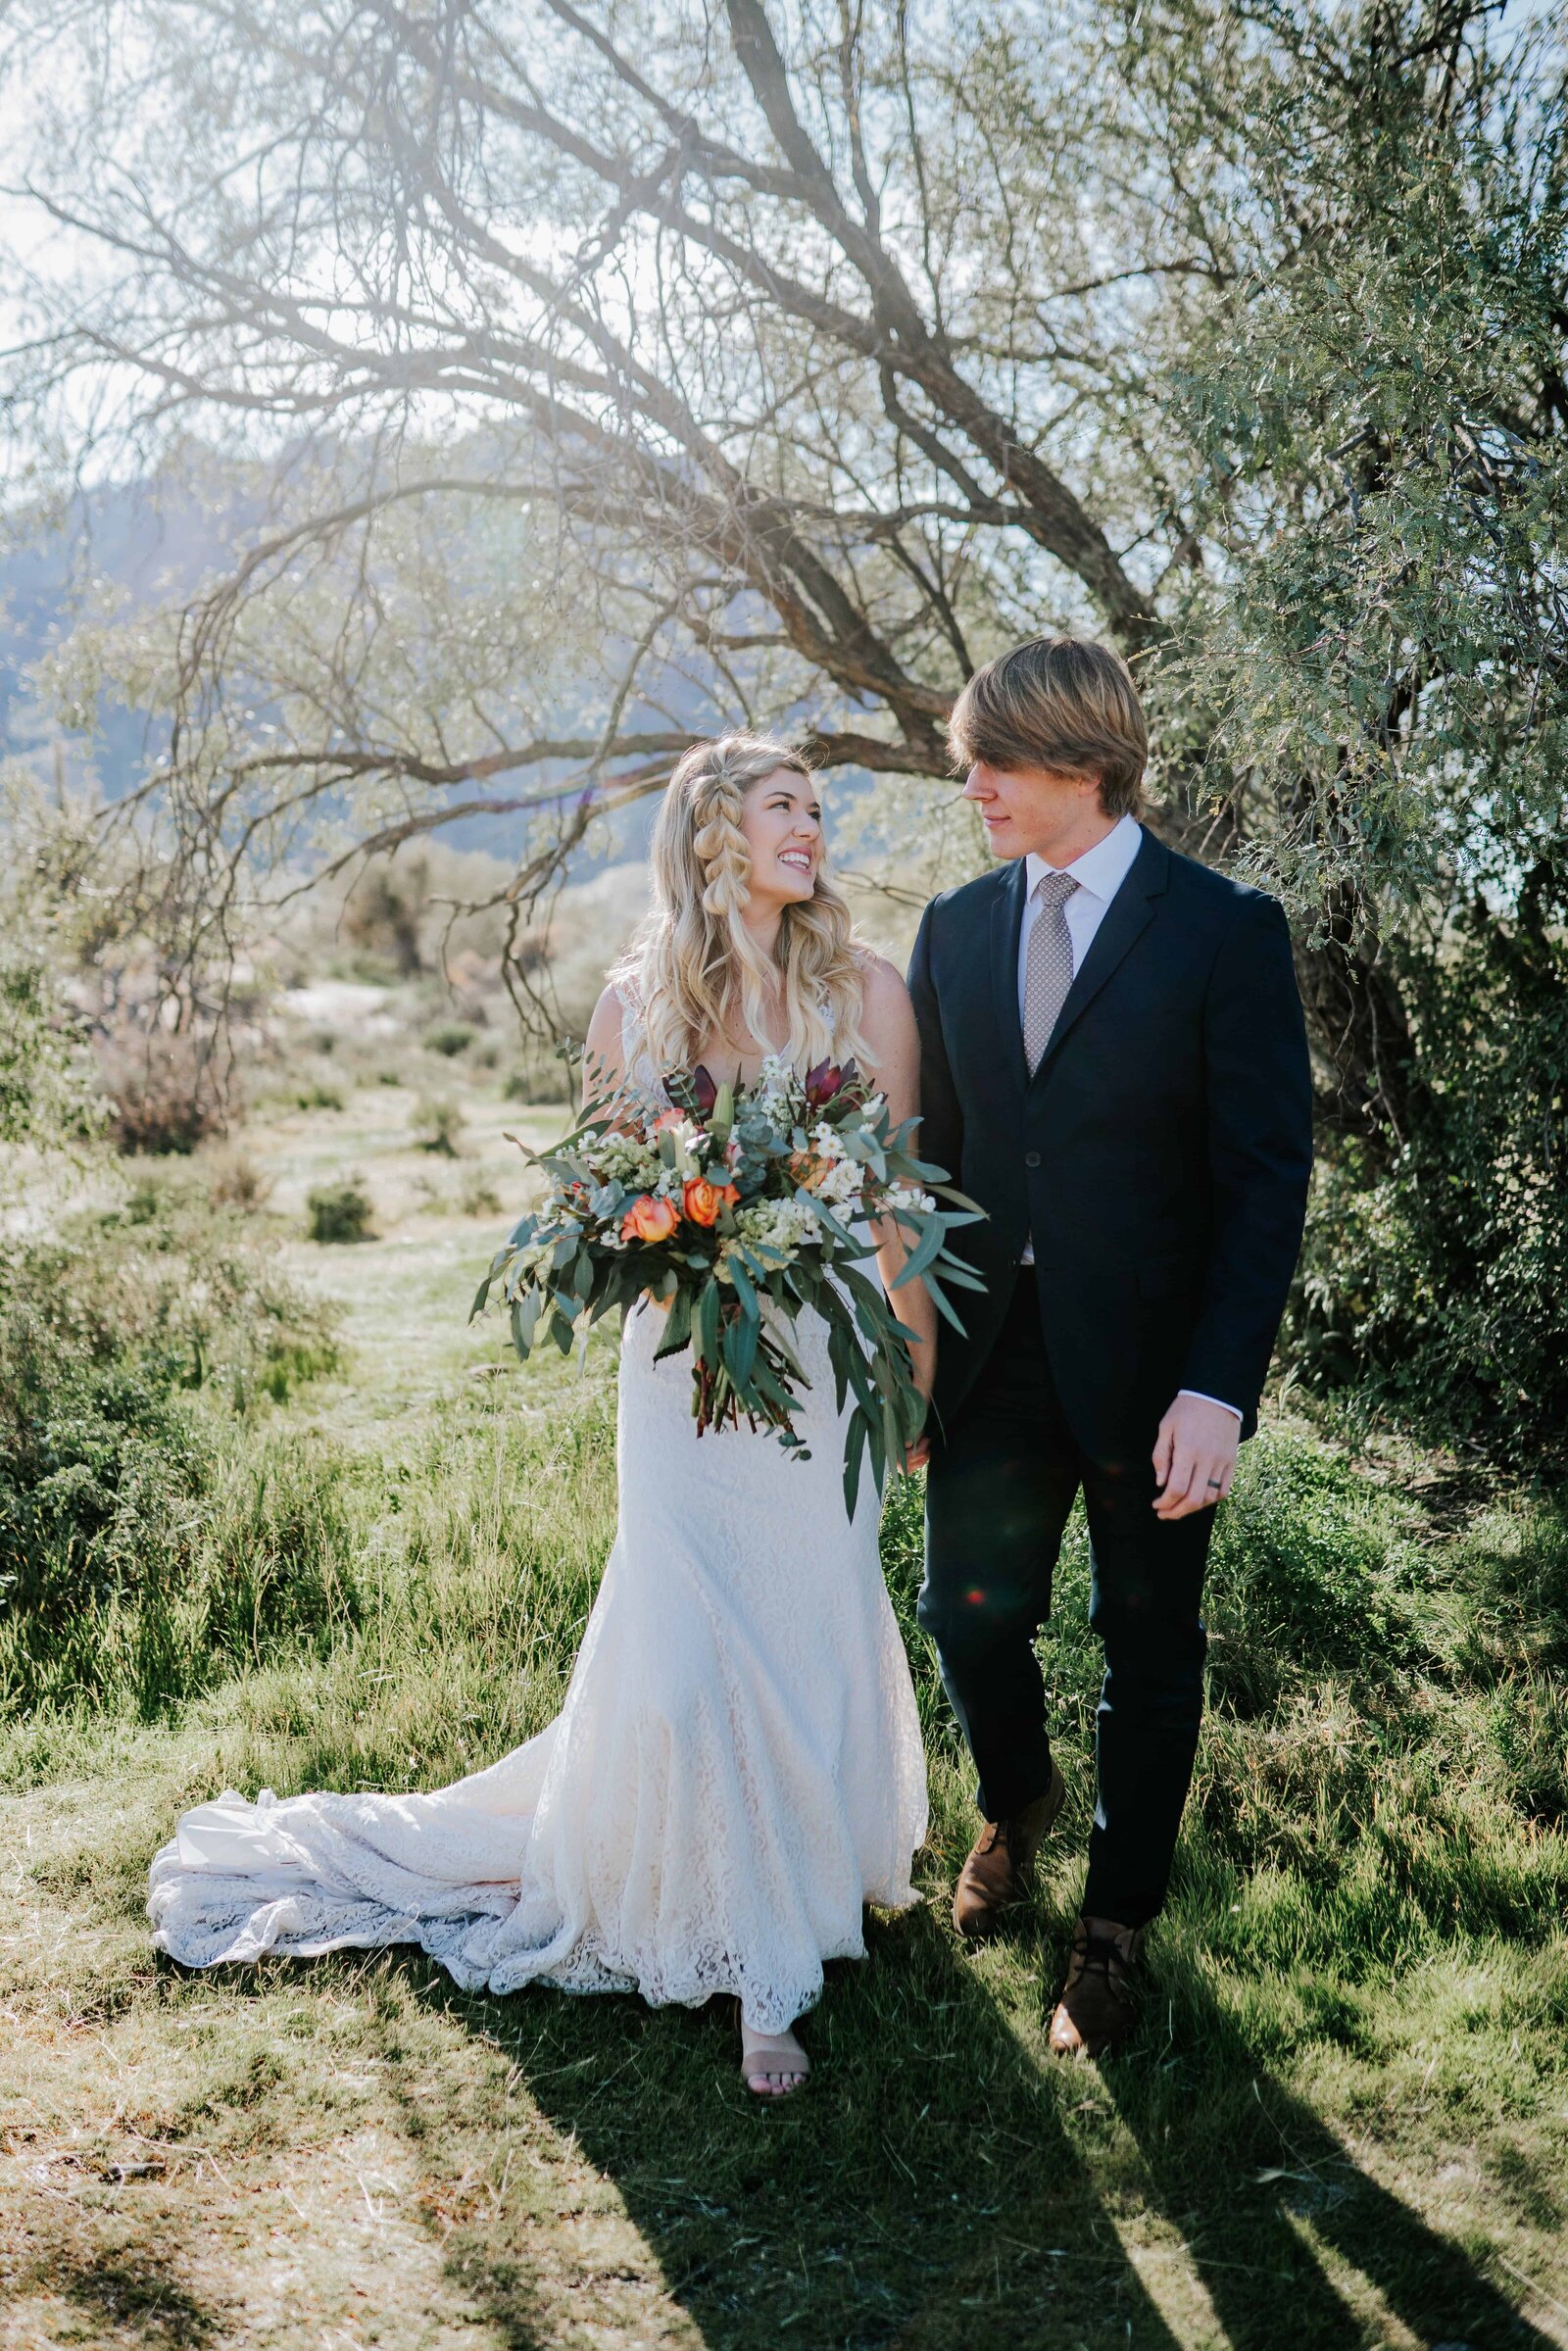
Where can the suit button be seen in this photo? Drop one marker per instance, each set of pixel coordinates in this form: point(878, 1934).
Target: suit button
point(1031, 1158)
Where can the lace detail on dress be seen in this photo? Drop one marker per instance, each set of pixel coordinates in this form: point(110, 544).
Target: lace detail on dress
point(635, 1058)
point(737, 1767)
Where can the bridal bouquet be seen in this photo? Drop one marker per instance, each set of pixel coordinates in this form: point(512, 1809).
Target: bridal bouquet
point(735, 1210)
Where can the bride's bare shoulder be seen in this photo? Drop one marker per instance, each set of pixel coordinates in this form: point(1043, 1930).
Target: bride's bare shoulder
point(606, 1028)
point(882, 988)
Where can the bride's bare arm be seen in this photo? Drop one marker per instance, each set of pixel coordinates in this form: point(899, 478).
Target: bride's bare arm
point(603, 1045)
point(887, 1022)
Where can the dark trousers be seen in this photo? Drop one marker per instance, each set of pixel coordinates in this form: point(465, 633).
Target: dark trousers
point(1000, 1483)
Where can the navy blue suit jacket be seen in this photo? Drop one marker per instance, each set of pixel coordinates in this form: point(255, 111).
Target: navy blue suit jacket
point(1159, 1156)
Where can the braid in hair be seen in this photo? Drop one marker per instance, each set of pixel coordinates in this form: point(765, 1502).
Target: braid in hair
point(720, 845)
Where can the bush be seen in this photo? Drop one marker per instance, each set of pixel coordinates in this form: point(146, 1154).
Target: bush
point(44, 1094)
point(163, 1088)
point(477, 1196)
point(449, 1037)
point(321, 1093)
point(544, 1075)
point(1435, 1291)
point(339, 1213)
point(234, 1181)
point(436, 1125)
point(124, 1339)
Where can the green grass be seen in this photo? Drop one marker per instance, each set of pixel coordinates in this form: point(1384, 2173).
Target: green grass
point(1345, 2118)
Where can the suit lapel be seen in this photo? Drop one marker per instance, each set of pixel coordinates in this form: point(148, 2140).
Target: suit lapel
point(1125, 919)
point(1007, 922)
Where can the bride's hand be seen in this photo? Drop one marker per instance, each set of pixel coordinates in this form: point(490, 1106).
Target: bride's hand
point(919, 1455)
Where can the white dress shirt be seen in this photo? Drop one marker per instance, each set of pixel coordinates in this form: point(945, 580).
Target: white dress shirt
point(1099, 873)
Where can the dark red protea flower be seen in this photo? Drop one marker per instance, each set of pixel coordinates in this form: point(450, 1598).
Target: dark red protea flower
point(705, 1093)
point(827, 1082)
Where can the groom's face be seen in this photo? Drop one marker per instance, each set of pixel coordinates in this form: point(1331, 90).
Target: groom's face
point(1024, 808)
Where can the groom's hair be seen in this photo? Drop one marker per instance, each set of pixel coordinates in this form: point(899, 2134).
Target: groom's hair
point(1065, 703)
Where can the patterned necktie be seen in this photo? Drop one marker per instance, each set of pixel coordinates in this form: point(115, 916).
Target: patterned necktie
point(1048, 972)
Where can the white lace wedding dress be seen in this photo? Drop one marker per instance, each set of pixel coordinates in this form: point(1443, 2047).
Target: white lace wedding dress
point(736, 1769)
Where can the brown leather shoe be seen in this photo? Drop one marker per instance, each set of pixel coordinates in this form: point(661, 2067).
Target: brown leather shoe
point(1099, 2006)
point(1001, 1862)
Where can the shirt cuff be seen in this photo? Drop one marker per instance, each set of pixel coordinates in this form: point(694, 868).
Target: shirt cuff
point(1212, 1400)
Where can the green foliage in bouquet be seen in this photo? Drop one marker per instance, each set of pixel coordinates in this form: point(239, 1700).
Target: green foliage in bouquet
point(735, 1210)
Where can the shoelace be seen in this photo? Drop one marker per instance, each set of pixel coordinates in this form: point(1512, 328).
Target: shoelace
point(1104, 1955)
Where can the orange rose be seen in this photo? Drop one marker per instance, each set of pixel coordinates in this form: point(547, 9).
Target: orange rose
point(703, 1200)
point(649, 1220)
point(669, 1118)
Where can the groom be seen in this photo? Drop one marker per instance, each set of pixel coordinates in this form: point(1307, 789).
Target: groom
point(1113, 1064)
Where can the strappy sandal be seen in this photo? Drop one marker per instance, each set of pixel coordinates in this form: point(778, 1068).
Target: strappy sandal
point(786, 2053)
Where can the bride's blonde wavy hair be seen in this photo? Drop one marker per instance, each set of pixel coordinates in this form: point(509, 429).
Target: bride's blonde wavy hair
point(694, 963)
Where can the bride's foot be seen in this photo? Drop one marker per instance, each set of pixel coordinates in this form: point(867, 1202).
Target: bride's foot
point(773, 2065)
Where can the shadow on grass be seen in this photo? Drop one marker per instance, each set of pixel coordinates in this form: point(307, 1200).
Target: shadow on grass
point(1283, 2185)
point(132, 2295)
point(942, 2185)
point(922, 2194)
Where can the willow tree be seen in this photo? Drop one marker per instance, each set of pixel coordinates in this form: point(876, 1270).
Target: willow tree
point(600, 373)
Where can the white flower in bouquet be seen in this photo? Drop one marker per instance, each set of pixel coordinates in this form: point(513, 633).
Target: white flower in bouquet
point(785, 1225)
point(842, 1184)
point(626, 1159)
point(910, 1197)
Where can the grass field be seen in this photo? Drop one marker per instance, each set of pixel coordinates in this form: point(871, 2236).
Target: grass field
point(1345, 2121)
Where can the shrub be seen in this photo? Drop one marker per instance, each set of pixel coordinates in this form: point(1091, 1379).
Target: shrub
point(44, 1096)
point(544, 1075)
point(477, 1196)
point(165, 1089)
point(321, 1093)
point(234, 1181)
point(339, 1211)
point(436, 1125)
point(1435, 1291)
point(125, 1339)
point(449, 1037)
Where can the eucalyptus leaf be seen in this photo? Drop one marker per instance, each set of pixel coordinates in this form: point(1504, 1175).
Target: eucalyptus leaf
point(706, 1326)
point(677, 1326)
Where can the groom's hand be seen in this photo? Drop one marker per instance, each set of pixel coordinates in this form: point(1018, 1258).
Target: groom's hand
point(1195, 1456)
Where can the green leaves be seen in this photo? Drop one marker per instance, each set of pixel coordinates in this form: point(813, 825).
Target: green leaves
point(525, 1313)
point(677, 1326)
point(707, 1327)
point(739, 1346)
point(854, 1453)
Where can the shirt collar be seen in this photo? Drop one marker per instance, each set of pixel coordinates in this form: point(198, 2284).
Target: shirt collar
point(1101, 870)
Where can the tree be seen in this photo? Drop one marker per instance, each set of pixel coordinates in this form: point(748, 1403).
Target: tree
point(783, 365)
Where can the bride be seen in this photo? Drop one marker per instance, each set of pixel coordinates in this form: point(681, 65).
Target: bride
point(737, 1767)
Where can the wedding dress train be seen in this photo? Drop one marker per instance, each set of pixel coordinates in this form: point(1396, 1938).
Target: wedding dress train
point(737, 1767)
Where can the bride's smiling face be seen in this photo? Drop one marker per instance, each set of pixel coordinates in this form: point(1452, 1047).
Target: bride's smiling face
point(781, 817)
